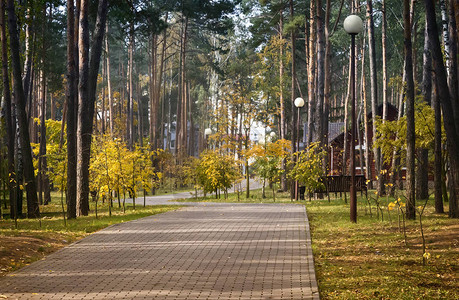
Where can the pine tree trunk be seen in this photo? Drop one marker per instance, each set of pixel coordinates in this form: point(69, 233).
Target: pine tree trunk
point(365, 117)
point(453, 74)
point(103, 117)
point(19, 166)
point(374, 93)
point(28, 40)
point(384, 69)
point(281, 95)
point(281, 74)
point(130, 118)
point(162, 83)
point(345, 169)
point(422, 174)
point(438, 166)
point(109, 84)
point(8, 112)
point(444, 32)
point(153, 102)
point(72, 108)
point(159, 103)
point(396, 172)
point(181, 134)
point(29, 176)
point(295, 120)
point(139, 114)
point(452, 140)
point(320, 73)
point(327, 81)
point(89, 69)
point(82, 175)
point(410, 130)
point(311, 75)
point(43, 164)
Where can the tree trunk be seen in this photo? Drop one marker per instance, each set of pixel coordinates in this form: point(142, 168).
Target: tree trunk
point(320, 73)
point(72, 109)
point(438, 166)
point(453, 74)
point(8, 113)
point(89, 69)
point(281, 95)
point(181, 132)
point(109, 84)
point(422, 174)
point(153, 102)
point(452, 140)
point(311, 75)
point(43, 163)
point(410, 130)
point(346, 122)
point(384, 68)
point(19, 166)
point(191, 142)
point(374, 93)
point(139, 114)
point(82, 175)
point(327, 82)
point(130, 118)
point(295, 120)
point(365, 118)
point(28, 42)
point(444, 32)
point(103, 117)
point(29, 176)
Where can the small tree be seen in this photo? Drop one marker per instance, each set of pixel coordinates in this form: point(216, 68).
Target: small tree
point(308, 169)
point(148, 178)
point(190, 173)
point(216, 171)
point(268, 161)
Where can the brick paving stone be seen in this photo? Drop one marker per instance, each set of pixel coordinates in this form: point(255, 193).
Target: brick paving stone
point(230, 251)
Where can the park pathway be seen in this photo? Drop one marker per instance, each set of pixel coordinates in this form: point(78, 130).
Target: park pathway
point(226, 251)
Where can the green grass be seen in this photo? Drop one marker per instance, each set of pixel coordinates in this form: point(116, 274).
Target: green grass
point(52, 217)
point(369, 260)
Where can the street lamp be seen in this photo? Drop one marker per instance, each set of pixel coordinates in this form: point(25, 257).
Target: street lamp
point(353, 25)
point(207, 132)
point(299, 103)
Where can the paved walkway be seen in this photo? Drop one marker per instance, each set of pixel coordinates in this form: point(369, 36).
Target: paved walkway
point(230, 251)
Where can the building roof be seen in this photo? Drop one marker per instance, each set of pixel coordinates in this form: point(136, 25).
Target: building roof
point(334, 130)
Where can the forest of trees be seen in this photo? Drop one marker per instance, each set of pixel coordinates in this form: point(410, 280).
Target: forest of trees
point(82, 77)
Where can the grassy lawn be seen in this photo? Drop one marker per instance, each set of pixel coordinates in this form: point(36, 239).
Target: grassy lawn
point(35, 238)
point(369, 260)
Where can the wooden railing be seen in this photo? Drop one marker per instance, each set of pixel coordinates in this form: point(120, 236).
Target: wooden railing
point(339, 184)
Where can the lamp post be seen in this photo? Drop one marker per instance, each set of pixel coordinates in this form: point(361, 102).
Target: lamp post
point(299, 103)
point(207, 132)
point(353, 25)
